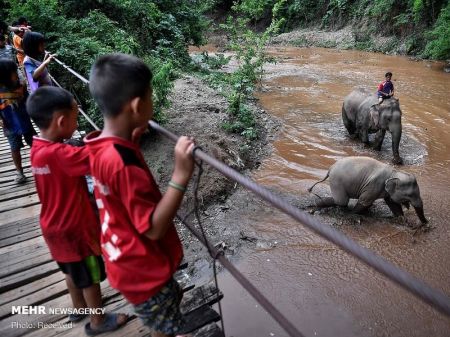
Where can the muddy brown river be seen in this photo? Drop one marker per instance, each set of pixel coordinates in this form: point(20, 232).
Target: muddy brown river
point(321, 289)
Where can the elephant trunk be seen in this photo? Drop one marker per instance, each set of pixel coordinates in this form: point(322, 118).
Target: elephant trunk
point(396, 135)
point(421, 214)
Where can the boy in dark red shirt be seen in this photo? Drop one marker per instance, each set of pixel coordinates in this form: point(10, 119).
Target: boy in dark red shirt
point(140, 244)
point(385, 88)
point(68, 222)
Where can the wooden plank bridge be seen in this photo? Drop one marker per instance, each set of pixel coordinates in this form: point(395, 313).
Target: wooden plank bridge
point(29, 277)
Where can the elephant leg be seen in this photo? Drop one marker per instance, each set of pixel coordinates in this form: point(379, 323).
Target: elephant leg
point(396, 135)
point(340, 196)
point(379, 137)
point(397, 160)
point(364, 134)
point(348, 123)
point(395, 208)
point(360, 207)
point(365, 200)
point(325, 202)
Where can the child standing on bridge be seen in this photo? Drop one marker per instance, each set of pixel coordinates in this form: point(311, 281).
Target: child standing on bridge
point(13, 115)
point(36, 61)
point(140, 243)
point(68, 222)
point(18, 45)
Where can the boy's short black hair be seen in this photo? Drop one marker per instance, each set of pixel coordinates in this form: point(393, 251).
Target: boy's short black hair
point(45, 101)
point(2, 38)
point(116, 79)
point(388, 74)
point(7, 68)
point(31, 42)
point(22, 20)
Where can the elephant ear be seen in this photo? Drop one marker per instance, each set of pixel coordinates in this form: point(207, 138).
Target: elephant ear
point(374, 116)
point(391, 185)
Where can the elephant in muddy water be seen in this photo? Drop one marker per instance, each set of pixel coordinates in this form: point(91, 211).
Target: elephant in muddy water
point(367, 180)
point(362, 115)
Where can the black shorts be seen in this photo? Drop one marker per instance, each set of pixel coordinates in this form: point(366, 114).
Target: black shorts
point(15, 141)
point(85, 273)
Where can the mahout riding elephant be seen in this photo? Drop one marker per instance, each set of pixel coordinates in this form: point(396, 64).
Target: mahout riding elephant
point(362, 115)
point(367, 180)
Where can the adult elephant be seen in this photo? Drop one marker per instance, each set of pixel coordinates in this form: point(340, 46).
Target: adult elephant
point(367, 180)
point(362, 115)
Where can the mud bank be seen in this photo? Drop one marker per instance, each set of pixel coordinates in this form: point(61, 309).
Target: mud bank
point(345, 38)
point(197, 110)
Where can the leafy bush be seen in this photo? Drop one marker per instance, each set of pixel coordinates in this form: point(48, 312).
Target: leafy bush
point(157, 31)
point(249, 51)
point(406, 20)
point(439, 45)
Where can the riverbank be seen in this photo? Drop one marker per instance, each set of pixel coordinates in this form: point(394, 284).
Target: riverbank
point(347, 38)
point(199, 111)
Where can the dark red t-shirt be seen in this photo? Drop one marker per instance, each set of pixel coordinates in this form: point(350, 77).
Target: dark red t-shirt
point(68, 222)
point(126, 196)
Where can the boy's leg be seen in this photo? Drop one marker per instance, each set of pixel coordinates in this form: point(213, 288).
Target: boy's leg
point(15, 142)
point(75, 294)
point(161, 312)
point(17, 160)
point(93, 296)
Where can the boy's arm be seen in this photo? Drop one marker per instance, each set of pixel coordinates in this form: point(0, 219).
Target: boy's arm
point(167, 207)
point(164, 213)
point(73, 160)
point(39, 70)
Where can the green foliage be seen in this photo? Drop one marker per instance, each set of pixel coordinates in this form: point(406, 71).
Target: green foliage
point(336, 11)
point(163, 75)
point(85, 39)
point(439, 45)
point(253, 9)
point(157, 31)
point(216, 61)
point(379, 9)
point(249, 52)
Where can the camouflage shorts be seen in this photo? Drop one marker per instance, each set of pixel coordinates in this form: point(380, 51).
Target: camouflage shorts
point(161, 312)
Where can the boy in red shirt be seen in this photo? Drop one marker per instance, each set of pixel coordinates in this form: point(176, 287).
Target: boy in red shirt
point(68, 222)
point(385, 88)
point(140, 244)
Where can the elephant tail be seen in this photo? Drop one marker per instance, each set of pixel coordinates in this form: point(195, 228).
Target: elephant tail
point(321, 181)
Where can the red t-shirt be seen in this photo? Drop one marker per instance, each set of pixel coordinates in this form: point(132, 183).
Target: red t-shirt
point(69, 224)
point(126, 196)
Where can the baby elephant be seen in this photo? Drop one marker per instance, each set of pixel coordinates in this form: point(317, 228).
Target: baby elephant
point(367, 180)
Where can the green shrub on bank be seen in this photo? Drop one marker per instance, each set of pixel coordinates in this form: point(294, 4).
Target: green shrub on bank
point(408, 20)
point(438, 46)
point(157, 31)
point(249, 49)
